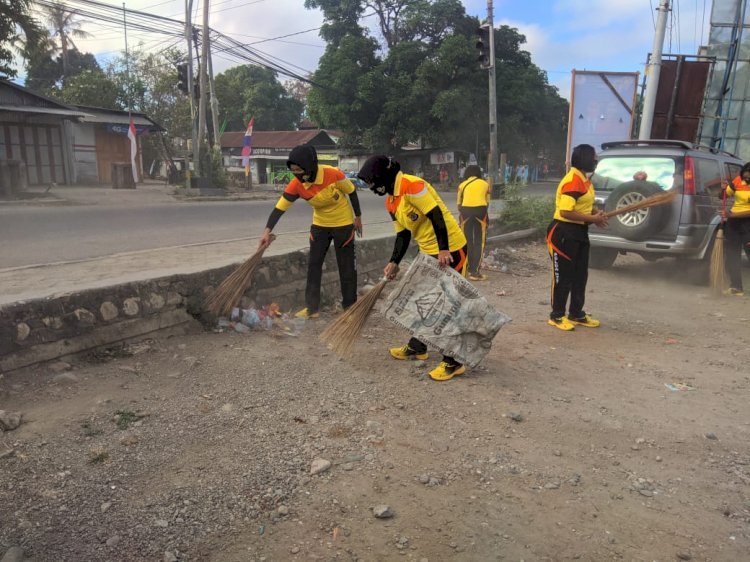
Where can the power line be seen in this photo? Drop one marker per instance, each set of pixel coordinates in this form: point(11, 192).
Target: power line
point(146, 22)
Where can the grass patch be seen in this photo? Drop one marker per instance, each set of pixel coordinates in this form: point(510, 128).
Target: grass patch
point(521, 212)
point(123, 418)
point(90, 431)
point(98, 456)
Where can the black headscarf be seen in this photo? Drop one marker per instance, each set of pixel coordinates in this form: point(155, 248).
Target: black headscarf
point(306, 158)
point(379, 172)
point(583, 158)
point(473, 171)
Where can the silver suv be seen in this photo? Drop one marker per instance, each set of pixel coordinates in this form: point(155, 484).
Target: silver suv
point(630, 171)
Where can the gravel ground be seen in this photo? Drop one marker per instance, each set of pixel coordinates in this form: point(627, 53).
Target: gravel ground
point(560, 446)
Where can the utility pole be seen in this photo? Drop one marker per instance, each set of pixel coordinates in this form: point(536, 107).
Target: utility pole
point(653, 70)
point(202, 81)
point(493, 98)
point(214, 100)
point(191, 90)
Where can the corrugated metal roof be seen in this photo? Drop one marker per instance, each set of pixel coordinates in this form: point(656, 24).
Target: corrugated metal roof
point(42, 110)
point(13, 95)
point(99, 115)
point(278, 139)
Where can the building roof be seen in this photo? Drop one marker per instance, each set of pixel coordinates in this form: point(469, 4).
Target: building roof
point(17, 99)
point(116, 116)
point(281, 140)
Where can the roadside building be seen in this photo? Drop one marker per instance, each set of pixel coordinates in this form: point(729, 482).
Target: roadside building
point(33, 142)
point(99, 139)
point(270, 150)
point(44, 141)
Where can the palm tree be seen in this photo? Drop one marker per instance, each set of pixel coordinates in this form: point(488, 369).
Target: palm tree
point(64, 27)
point(18, 31)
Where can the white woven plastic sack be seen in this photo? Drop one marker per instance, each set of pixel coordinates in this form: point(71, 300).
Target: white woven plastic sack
point(442, 309)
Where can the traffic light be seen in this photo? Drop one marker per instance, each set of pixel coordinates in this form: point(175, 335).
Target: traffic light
point(182, 78)
point(483, 46)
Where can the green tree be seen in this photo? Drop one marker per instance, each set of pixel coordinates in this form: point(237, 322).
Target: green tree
point(19, 32)
point(94, 88)
point(253, 91)
point(63, 28)
point(347, 100)
point(148, 84)
point(44, 71)
point(428, 87)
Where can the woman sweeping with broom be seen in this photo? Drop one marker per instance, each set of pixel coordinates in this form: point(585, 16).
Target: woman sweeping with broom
point(568, 240)
point(737, 228)
point(417, 211)
point(326, 189)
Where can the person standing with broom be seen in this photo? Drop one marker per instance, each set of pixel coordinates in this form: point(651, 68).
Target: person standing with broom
point(568, 240)
point(737, 228)
point(326, 189)
point(473, 201)
point(417, 212)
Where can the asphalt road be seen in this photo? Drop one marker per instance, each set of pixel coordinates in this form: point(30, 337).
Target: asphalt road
point(33, 235)
point(40, 235)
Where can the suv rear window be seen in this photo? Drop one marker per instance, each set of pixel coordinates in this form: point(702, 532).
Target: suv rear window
point(615, 170)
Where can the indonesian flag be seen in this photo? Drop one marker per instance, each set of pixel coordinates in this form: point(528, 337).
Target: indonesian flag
point(247, 146)
point(132, 134)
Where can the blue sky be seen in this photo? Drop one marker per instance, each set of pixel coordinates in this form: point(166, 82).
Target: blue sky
point(606, 35)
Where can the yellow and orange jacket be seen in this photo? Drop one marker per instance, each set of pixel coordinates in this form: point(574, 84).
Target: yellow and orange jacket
point(327, 195)
point(412, 199)
point(473, 192)
point(574, 193)
point(740, 190)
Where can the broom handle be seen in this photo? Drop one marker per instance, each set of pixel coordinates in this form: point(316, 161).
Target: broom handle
point(652, 201)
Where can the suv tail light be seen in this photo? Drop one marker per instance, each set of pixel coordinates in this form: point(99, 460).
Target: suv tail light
point(688, 178)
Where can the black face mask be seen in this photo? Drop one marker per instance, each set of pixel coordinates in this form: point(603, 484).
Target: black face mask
point(379, 173)
point(306, 158)
point(379, 190)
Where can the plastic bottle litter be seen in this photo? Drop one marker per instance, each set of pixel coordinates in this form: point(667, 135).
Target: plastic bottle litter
point(270, 317)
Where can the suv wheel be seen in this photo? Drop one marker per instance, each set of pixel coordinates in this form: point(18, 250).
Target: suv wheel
point(602, 258)
point(637, 225)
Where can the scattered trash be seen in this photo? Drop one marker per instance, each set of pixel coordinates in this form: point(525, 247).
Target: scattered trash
point(500, 293)
point(269, 317)
point(493, 262)
point(678, 386)
point(671, 341)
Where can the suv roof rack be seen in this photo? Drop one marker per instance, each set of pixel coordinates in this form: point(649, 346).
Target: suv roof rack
point(647, 142)
point(665, 142)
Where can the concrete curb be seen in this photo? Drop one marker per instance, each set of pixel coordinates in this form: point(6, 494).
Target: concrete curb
point(41, 330)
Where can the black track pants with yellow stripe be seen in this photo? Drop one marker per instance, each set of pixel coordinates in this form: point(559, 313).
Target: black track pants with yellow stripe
point(343, 243)
point(474, 224)
point(568, 247)
point(459, 264)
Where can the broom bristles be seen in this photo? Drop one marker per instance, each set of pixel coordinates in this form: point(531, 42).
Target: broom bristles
point(718, 273)
point(341, 334)
point(229, 293)
point(659, 199)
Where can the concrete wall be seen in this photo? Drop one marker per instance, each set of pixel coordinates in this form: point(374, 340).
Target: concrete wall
point(46, 329)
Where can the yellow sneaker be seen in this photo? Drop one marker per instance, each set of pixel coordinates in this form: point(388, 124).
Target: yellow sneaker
point(585, 320)
point(734, 292)
point(446, 371)
point(406, 353)
point(562, 323)
point(478, 277)
point(304, 313)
